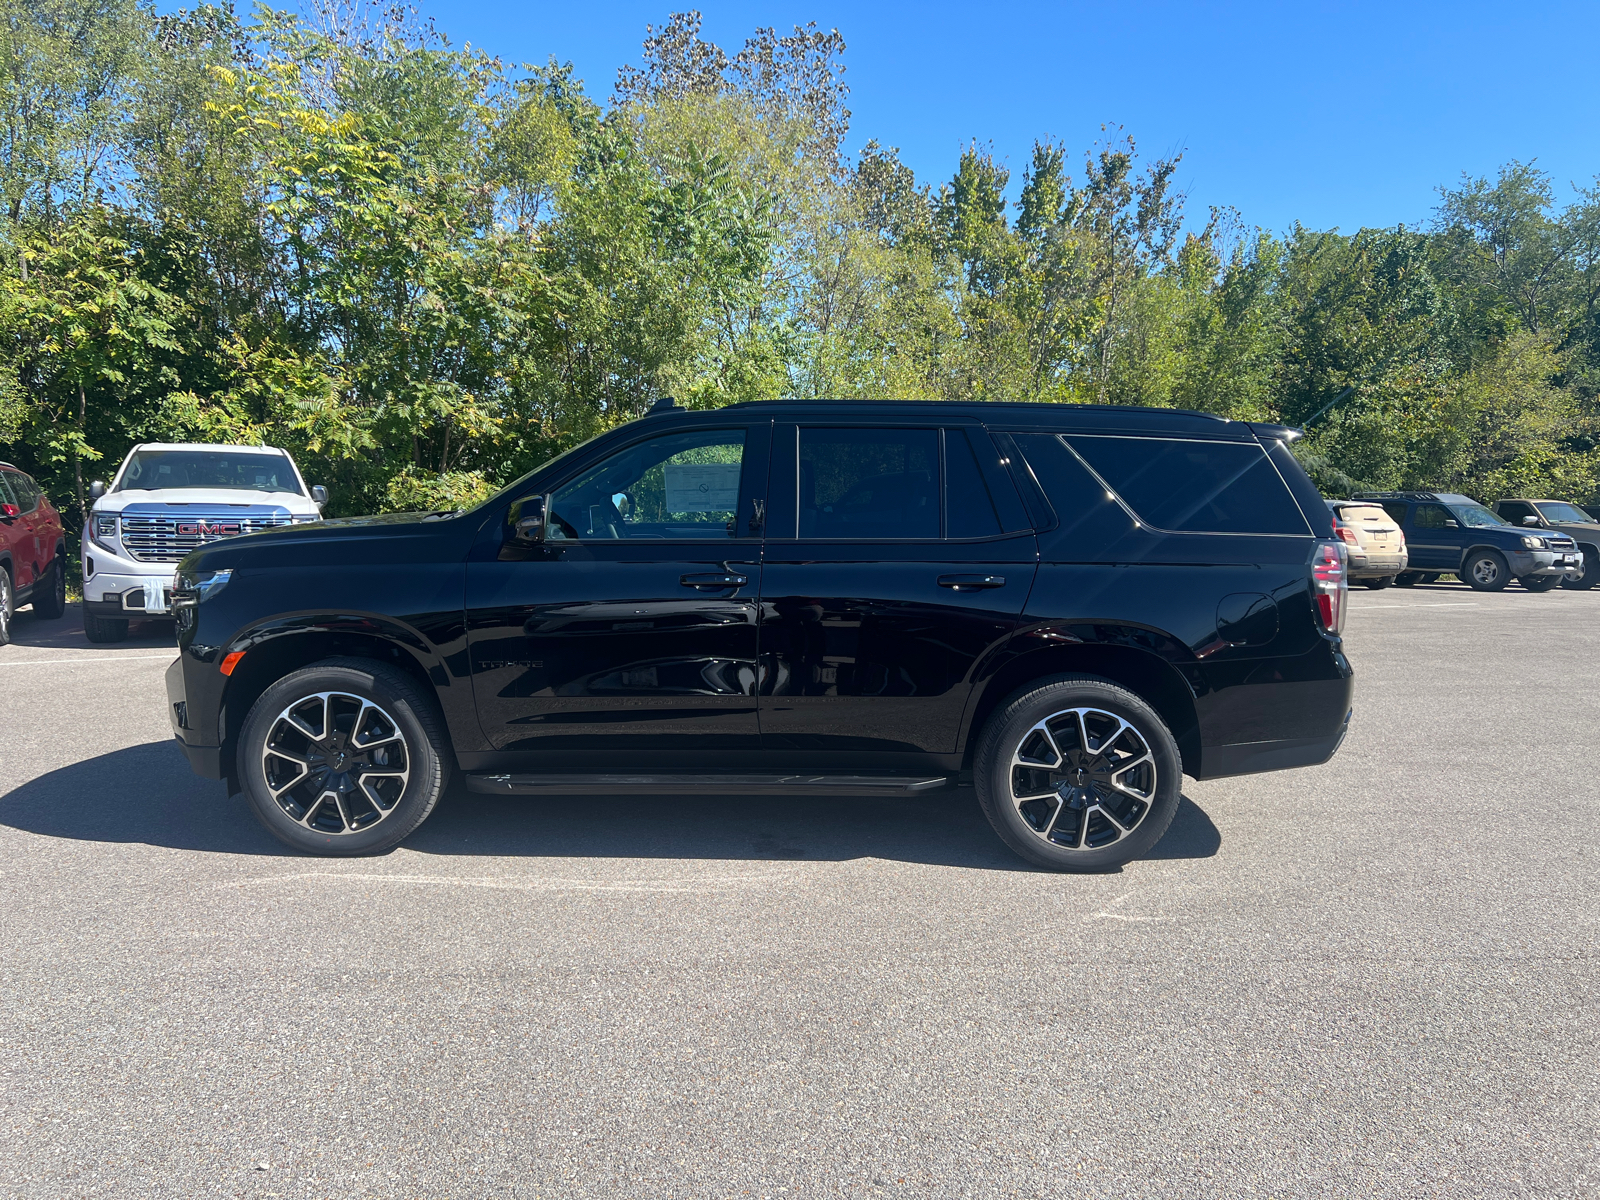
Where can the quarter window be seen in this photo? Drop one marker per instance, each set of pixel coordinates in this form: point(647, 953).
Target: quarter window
point(1195, 486)
point(680, 485)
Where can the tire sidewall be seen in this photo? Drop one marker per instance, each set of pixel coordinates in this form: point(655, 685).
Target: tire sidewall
point(1019, 713)
point(1502, 578)
point(8, 611)
point(1590, 576)
point(396, 696)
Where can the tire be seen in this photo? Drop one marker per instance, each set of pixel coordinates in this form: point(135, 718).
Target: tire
point(104, 629)
point(1591, 572)
point(8, 606)
point(1540, 583)
point(331, 807)
point(1380, 583)
point(52, 605)
point(1408, 578)
point(1485, 571)
point(1118, 807)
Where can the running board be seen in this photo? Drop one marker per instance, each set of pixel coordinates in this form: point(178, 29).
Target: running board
point(701, 785)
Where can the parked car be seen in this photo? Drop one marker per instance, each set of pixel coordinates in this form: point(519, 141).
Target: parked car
point(32, 551)
point(1592, 509)
point(1449, 533)
point(164, 501)
point(1564, 518)
point(1072, 606)
point(1375, 544)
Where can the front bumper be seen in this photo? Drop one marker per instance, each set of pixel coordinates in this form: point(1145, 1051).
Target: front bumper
point(121, 584)
point(204, 760)
point(1544, 563)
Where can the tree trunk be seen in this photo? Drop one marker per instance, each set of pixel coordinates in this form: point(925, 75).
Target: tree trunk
point(77, 463)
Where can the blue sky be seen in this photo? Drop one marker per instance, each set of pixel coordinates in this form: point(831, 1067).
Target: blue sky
point(1333, 114)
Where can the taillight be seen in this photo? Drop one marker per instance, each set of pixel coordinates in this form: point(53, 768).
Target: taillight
point(1330, 583)
point(1348, 534)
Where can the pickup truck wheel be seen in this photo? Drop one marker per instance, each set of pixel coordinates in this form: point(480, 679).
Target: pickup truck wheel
point(1078, 774)
point(1539, 583)
point(1486, 571)
point(1591, 572)
point(7, 606)
point(104, 629)
point(344, 757)
point(50, 602)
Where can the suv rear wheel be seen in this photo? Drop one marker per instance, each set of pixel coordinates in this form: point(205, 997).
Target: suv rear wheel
point(344, 757)
point(1078, 774)
point(1486, 571)
point(50, 602)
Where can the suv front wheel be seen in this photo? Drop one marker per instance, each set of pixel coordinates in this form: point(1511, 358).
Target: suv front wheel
point(1486, 571)
point(344, 757)
point(1078, 774)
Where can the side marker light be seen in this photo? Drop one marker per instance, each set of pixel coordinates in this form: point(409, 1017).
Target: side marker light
point(230, 662)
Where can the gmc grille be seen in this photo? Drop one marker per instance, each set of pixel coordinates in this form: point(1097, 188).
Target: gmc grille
point(168, 539)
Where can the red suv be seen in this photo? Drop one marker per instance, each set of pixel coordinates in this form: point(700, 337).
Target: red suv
point(33, 552)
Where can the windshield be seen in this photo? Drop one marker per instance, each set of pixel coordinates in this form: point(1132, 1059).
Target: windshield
point(244, 470)
point(1476, 516)
point(1559, 513)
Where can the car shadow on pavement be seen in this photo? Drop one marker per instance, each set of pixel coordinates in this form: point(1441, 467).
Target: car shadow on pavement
point(66, 633)
point(147, 794)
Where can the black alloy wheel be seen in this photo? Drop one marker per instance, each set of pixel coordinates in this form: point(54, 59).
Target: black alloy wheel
point(50, 603)
point(344, 757)
point(1077, 773)
point(1591, 572)
point(7, 606)
point(1486, 571)
point(1540, 583)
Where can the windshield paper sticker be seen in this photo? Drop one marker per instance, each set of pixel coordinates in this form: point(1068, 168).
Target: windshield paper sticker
point(702, 487)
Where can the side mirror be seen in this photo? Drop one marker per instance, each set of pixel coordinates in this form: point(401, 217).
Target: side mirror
point(1449, 524)
point(1530, 520)
point(97, 489)
point(319, 495)
point(528, 520)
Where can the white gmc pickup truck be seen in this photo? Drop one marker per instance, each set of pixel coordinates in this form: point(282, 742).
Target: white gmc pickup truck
point(166, 499)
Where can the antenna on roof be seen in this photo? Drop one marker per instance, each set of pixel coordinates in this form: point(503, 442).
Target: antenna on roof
point(665, 404)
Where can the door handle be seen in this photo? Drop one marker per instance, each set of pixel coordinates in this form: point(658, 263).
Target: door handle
point(971, 583)
point(714, 581)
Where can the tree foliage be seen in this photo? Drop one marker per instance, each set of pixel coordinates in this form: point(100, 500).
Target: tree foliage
point(423, 270)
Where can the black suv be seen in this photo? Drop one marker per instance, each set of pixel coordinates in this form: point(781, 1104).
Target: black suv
point(1449, 533)
point(1071, 606)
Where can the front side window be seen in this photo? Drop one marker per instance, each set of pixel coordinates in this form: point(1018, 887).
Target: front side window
point(679, 485)
point(1561, 514)
point(1431, 516)
point(154, 470)
point(869, 483)
point(1194, 486)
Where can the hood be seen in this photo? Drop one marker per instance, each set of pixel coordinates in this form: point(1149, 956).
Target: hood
point(392, 538)
point(1574, 528)
point(115, 502)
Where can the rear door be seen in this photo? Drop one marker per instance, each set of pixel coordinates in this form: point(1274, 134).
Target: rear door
point(897, 556)
point(1434, 538)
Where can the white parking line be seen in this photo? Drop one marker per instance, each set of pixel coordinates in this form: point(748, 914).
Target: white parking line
point(46, 662)
point(1440, 604)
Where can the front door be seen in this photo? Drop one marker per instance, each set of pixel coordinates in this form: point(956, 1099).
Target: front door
point(891, 569)
point(632, 628)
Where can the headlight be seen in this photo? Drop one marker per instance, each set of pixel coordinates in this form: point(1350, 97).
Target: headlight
point(105, 526)
point(189, 589)
point(1534, 543)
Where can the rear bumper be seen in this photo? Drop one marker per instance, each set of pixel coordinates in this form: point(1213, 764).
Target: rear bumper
point(1252, 758)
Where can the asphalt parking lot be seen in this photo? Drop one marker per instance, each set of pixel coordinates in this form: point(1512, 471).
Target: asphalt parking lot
point(1376, 977)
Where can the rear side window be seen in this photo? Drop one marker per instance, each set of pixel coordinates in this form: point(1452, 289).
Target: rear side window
point(869, 483)
point(1397, 510)
point(969, 504)
point(1195, 486)
point(6, 494)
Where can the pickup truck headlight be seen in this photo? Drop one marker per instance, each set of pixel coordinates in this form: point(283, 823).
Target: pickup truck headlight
point(1534, 543)
point(189, 589)
point(105, 528)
